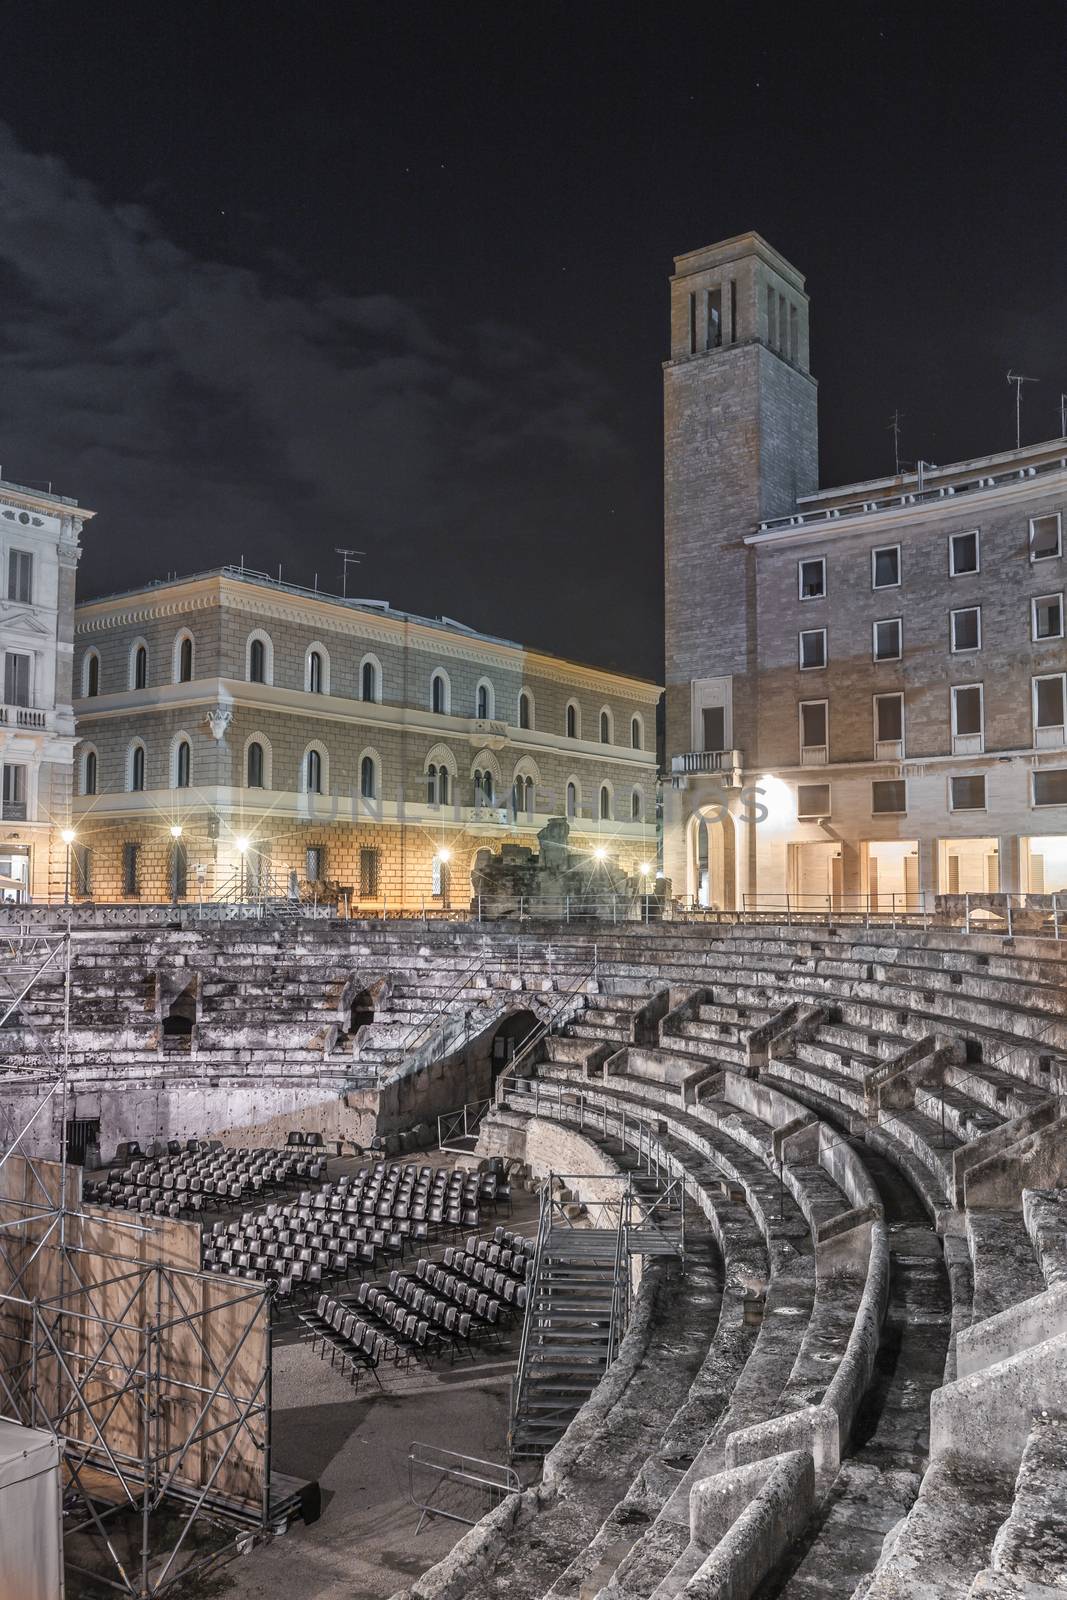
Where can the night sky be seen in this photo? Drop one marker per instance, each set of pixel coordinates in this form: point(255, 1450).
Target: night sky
point(280, 277)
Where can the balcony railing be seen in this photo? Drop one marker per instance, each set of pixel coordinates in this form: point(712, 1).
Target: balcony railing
point(699, 761)
point(22, 717)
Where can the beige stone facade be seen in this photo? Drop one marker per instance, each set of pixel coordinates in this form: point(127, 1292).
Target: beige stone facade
point(284, 731)
point(884, 662)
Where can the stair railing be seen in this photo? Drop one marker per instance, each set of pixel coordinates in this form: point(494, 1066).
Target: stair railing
point(620, 1284)
point(544, 1223)
point(542, 1031)
point(418, 1032)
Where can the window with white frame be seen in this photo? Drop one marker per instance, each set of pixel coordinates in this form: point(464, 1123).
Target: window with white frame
point(967, 793)
point(139, 665)
point(605, 802)
point(812, 649)
point(1049, 700)
point(183, 658)
point(135, 768)
point(183, 764)
point(885, 567)
point(889, 797)
point(18, 671)
point(440, 693)
point(888, 639)
point(574, 720)
point(888, 727)
point(91, 674)
point(968, 718)
point(15, 792)
point(370, 679)
point(317, 669)
point(20, 576)
point(637, 738)
point(255, 765)
point(965, 629)
point(636, 805)
point(1046, 617)
point(1046, 540)
point(526, 711)
point(314, 772)
point(813, 800)
point(257, 659)
point(963, 553)
point(607, 731)
point(813, 733)
point(573, 800)
point(1050, 786)
point(90, 771)
point(368, 777)
point(811, 578)
point(484, 701)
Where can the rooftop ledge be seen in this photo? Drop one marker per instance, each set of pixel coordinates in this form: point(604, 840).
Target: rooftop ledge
point(940, 487)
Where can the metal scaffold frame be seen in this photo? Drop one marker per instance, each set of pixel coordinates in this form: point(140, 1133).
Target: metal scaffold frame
point(154, 1377)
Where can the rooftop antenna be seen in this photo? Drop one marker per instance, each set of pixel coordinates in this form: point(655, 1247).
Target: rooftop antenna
point(1018, 379)
point(1063, 415)
point(894, 428)
point(346, 557)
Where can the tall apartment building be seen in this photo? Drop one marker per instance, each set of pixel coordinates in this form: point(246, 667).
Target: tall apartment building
point(236, 731)
point(39, 553)
point(866, 684)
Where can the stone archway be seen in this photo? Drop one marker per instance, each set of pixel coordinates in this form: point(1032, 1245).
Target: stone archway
point(508, 1037)
point(711, 865)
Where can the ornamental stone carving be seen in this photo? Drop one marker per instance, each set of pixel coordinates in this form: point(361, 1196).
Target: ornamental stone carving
point(219, 720)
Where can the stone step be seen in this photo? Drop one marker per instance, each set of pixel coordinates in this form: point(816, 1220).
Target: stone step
point(947, 1536)
point(1002, 1260)
point(1045, 1216)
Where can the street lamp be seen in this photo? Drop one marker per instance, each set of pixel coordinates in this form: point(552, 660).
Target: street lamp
point(175, 833)
point(600, 853)
point(68, 837)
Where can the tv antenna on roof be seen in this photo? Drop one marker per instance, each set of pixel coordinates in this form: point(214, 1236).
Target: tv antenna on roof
point(1018, 379)
point(894, 428)
point(347, 556)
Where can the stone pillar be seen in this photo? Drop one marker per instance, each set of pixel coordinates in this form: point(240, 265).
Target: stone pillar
point(928, 858)
point(1009, 848)
point(675, 817)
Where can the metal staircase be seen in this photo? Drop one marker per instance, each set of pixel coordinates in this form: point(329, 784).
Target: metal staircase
point(574, 1322)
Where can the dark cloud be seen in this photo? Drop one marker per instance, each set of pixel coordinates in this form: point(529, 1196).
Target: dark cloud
point(207, 411)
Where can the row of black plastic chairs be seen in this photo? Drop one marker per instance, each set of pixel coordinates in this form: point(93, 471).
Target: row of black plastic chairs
point(358, 1346)
point(433, 1293)
point(507, 1288)
point(425, 1327)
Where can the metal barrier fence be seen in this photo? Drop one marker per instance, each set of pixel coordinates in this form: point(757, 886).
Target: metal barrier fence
point(461, 1488)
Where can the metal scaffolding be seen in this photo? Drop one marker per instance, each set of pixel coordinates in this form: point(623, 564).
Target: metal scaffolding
point(154, 1377)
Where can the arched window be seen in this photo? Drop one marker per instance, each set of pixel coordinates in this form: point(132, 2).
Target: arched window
point(370, 679)
point(573, 720)
point(135, 770)
point(91, 675)
point(314, 672)
point(606, 733)
point(368, 778)
point(439, 693)
point(89, 772)
point(183, 658)
point(635, 806)
point(431, 784)
point(443, 776)
point(139, 665)
point(257, 662)
point(483, 787)
point(484, 701)
point(572, 799)
point(525, 709)
point(255, 766)
point(313, 772)
point(636, 734)
point(183, 762)
point(605, 803)
point(522, 793)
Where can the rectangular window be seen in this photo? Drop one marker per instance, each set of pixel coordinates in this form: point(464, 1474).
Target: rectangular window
point(963, 553)
point(179, 870)
point(811, 578)
point(131, 869)
point(713, 304)
point(885, 567)
point(369, 858)
point(965, 629)
point(967, 794)
point(782, 322)
point(889, 797)
point(813, 800)
point(314, 863)
point(692, 324)
point(772, 334)
point(1045, 542)
point(887, 640)
point(888, 725)
point(1046, 617)
point(735, 327)
point(1050, 787)
point(1049, 700)
point(814, 739)
point(14, 793)
point(20, 576)
point(16, 678)
point(794, 336)
point(813, 648)
point(81, 869)
point(967, 718)
point(714, 722)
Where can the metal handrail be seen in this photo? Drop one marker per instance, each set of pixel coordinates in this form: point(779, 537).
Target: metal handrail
point(620, 1290)
point(543, 1029)
point(420, 1029)
point(544, 1222)
point(455, 1467)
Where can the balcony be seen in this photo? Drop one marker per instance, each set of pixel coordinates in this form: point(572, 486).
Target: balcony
point(697, 763)
point(23, 717)
point(889, 749)
point(813, 755)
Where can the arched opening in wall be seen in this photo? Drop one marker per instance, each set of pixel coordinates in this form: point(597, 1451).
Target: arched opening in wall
point(711, 870)
point(361, 1012)
point(179, 1016)
point(509, 1038)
